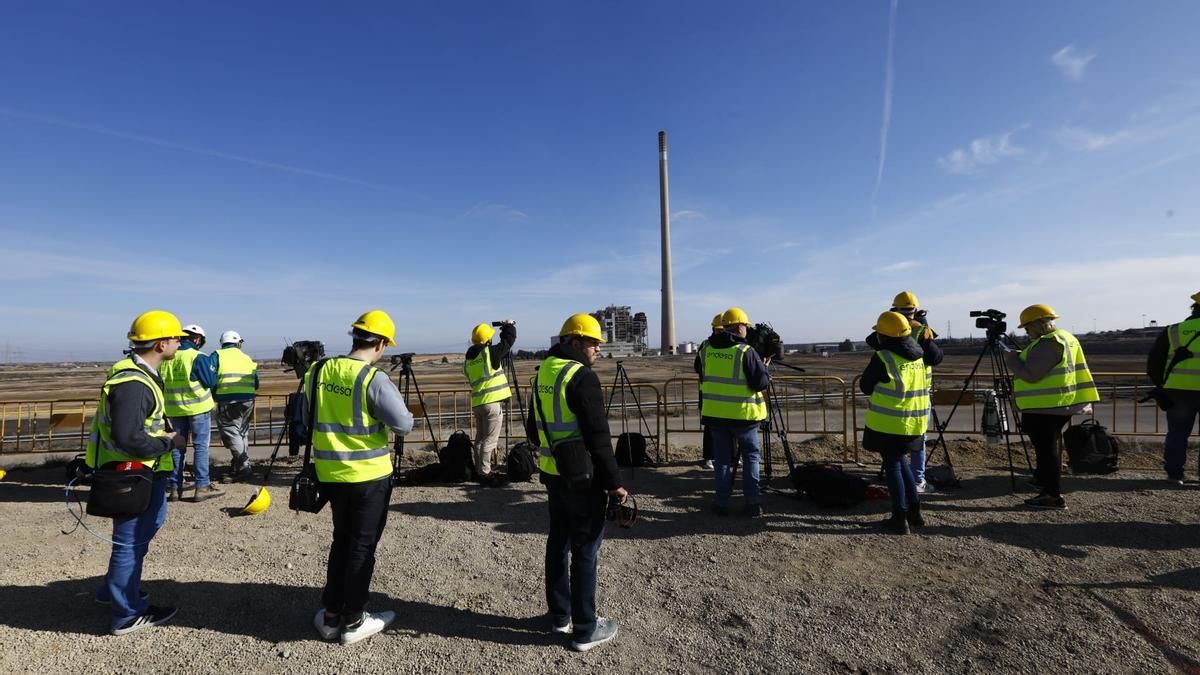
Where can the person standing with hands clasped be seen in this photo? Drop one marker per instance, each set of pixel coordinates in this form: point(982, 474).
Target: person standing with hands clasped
point(1051, 382)
point(569, 425)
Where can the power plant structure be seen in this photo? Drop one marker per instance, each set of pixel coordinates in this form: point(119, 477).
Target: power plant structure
point(668, 302)
point(624, 332)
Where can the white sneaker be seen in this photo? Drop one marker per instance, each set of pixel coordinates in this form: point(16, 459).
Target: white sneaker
point(372, 623)
point(328, 633)
point(708, 464)
point(924, 487)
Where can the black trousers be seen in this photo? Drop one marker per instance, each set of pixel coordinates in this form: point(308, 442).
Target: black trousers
point(360, 513)
point(1043, 431)
point(573, 552)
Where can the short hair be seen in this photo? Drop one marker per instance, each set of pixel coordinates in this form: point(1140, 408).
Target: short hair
point(361, 339)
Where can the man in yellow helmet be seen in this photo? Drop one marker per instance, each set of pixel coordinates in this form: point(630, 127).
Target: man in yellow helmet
point(1174, 367)
point(569, 425)
point(483, 365)
point(1051, 382)
point(706, 459)
point(733, 378)
point(129, 430)
point(354, 405)
point(237, 387)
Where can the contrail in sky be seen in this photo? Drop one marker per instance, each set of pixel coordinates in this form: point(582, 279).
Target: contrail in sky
point(887, 100)
point(171, 145)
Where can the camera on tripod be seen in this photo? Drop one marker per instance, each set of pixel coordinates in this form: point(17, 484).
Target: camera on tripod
point(992, 321)
point(298, 356)
point(403, 360)
point(505, 322)
point(763, 338)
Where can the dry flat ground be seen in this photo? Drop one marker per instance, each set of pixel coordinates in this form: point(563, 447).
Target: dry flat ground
point(1111, 585)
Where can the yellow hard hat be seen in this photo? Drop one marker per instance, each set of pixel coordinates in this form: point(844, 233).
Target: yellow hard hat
point(1196, 297)
point(377, 322)
point(893, 324)
point(155, 325)
point(717, 321)
point(734, 316)
point(3, 473)
point(482, 334)
point(905, 300)
point(582, 324)
point(1034, 312)
point(258, 503)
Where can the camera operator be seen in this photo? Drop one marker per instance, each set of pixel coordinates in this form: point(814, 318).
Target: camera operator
point(897, 380)
point(484, 369)
point(706, 459)
point(906, 303)
point(355, 404)
point(1051, 382)
point(1174, 368)
point(569, 425)
point(733, 378)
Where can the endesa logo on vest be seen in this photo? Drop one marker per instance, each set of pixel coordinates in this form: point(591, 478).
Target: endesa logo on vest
point(545, 389)
point(334, 388)
point(721, 355)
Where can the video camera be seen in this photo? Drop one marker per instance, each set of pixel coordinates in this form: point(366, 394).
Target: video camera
point(298, 356)
point(505, 322)
point(992, 321)
point(763, 338)
point(403, 360)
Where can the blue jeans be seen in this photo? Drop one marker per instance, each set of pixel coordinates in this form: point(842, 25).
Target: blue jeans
point(123, 584)
point(573, 552)
point(1181, 419)
point(724, 440)
point(901, 484)
point(199, 427)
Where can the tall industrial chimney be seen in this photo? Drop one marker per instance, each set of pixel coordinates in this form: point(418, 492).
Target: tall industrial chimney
point(668, 302)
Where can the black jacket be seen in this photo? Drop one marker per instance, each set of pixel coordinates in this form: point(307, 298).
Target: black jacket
point(129, 404)
point(758, 378)
point(508, 336)
point(875, 373)
point(1160, 355)
point(586, 400)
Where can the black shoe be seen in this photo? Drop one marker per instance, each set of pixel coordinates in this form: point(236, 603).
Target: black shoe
point(897, 524)
point(753, 511)
point(1047, 502)
point(914, 517)
point(720, 510)
point(153, 616)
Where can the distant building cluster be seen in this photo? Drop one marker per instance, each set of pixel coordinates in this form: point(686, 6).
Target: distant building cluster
point(624, 332)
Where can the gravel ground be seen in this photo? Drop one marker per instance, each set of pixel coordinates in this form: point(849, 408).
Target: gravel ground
point(1111, 585)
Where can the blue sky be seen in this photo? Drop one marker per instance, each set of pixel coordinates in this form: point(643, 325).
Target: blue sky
point(277, 168)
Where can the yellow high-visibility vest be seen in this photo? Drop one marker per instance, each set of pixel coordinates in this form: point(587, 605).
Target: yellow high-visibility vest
point(349, 445)
point(100, 447)
point(723, 389)
point(901, 406)
point(185, 397)
point(1186, 374)
point(1068, 383)
point(488, 384)
point(560, 423)
point(235, 371)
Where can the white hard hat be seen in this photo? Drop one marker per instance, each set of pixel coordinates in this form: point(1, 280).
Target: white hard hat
point(230, 337)
point(195, 328)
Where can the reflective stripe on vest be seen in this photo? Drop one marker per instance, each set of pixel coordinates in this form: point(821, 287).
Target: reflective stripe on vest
point(488, 384)
point(900, 407)
point(235, 372)
point(1186, 374)
point(723, 389)
point(100, 447)
point(349, 445)
point(561, 424)
point(184, 396)
point(1068, 383)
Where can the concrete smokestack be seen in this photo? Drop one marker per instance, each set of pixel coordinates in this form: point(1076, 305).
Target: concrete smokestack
point(668, 301)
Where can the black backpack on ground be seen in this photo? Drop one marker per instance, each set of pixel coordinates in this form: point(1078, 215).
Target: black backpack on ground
point(1091, 449)
point(631, 450)
point(521, 464)
point(455, 459)
point(828, 485)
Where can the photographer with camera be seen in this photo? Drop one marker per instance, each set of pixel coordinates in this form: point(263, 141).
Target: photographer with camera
point(1174, 367)
point(906, 304)
point(484, 368)
point(237, 387)
point(569, 426)
point(354, 404)
point(733, 378)
point(897, 380)
point(1051, 382)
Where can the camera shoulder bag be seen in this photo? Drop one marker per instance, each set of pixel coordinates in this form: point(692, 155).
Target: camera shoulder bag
point(306, 494)
point(120, 491)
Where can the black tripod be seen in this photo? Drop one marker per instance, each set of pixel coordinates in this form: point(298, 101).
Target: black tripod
point(510, 371)
point(287, 430)
point(407, 383)
point(1006, 407)
point(621, 382)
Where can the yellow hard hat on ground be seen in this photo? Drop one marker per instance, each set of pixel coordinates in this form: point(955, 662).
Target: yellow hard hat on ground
point(154, 325)
point(482, 334)
point(905, 300)
point(377, 322)
point(1035, 312)
point(3, 473)
point(258, 503)
point(717, 321)
point(733, 316)
point(893, 324)
point(585, 325)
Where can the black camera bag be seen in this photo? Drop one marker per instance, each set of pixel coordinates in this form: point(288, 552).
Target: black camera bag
point(305, 494)
point(828, 485)
point(1091, 449)
point(120, 494)
point(631, 450)
point(521, 464)
point(455, 459)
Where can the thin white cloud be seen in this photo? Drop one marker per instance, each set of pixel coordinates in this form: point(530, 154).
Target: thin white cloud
point(886, 123)
point(981, 152)
point(497, 212)
point(1079, 139)
point(899, 266)
point(1071, 62)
